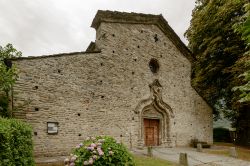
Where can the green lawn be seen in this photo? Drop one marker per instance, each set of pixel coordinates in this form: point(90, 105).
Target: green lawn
point(148, 161)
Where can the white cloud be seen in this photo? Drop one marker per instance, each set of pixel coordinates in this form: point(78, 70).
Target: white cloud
point(41, 27)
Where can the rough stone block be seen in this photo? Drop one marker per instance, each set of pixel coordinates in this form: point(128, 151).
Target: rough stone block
point(232, 152)
point(183, 160)
point(150, 151)
point(199, 147)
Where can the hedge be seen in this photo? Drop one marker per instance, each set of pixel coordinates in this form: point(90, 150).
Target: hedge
point(221, 135)
point(16, 146)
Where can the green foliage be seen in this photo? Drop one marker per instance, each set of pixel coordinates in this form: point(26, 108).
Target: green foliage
point(4, 104)
point(244, 89)
point(243, 28)
point(100, 151)
point(16, 147)
point(7, 73)
point(8, 76)
point(219, 38)
point(217, 48)
point(221, 135)
point(9, 52)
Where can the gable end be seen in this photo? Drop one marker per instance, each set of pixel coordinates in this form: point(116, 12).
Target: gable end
point(139, 18)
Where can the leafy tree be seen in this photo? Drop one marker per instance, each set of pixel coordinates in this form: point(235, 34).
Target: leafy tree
point(217, 48)
point(222, 55)
point(243, 113)
point(244, 29)
point(8, 75)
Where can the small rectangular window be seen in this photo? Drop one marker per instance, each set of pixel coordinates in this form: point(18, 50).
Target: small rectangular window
point(52, 127)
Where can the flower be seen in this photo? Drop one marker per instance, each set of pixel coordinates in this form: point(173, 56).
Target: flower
point(90, 148)
point(91, 161)
point(85, 163)
point(99, 149)
point(77, 146)
point(100, 152)
point(111, 153)
point(72, 164)
point(81, 144)
point(73, 158)
point(95, 157)
point(93, 145)
point(101, 140)
point(66, 161)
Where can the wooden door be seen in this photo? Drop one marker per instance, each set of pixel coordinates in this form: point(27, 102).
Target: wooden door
point(151, 132)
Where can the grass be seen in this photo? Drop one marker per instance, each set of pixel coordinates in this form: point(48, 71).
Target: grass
point(148, 161)
point(223, 149)
point(139, 161)
point(50, 164)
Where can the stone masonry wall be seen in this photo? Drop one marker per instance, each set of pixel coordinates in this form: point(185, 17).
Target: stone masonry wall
point(96, 93)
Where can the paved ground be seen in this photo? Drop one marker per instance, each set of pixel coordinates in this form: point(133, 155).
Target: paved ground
point(171, 154)
point(194, 158)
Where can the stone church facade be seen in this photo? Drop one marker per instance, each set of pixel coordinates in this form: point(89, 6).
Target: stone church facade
point(133, 83)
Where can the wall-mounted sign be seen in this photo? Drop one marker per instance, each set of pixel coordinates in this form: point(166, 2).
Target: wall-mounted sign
point(52, 127)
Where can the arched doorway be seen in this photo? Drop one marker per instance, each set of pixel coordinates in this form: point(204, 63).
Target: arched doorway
point(154, 119)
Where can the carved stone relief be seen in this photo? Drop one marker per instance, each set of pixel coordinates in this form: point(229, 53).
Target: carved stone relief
point(155, 108)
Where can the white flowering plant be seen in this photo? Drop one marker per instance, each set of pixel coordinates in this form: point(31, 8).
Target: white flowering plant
point(99, 151)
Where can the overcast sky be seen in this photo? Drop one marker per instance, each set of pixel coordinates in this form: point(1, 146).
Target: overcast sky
point(43, 27)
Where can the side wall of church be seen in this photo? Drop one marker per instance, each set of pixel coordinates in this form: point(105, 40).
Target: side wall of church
point(96, 93)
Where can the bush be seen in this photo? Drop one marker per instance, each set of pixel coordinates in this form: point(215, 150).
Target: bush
point(16, 147)
point(4, 106)
point(100, 151)
point(222, 135)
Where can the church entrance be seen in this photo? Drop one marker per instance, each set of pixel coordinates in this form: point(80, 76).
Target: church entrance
point(155, 118)
point(151, 130)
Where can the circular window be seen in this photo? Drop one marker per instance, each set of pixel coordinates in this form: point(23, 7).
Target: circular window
point(154, 65)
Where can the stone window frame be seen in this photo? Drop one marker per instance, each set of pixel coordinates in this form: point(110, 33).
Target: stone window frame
point(52, 133)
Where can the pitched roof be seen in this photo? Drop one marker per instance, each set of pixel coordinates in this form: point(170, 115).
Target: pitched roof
point(139, 18)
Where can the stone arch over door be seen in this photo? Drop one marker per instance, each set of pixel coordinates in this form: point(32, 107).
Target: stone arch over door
point(155, 108)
